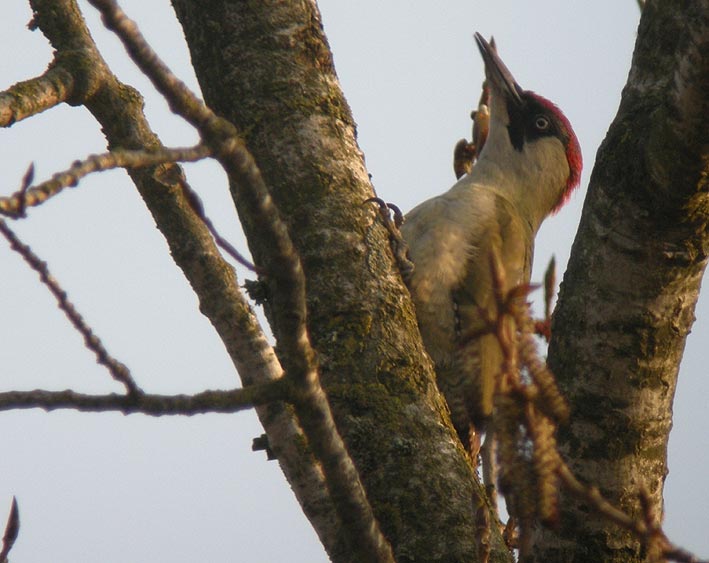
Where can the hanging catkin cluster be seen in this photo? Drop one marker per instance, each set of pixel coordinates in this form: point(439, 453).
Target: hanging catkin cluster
point(528, 407)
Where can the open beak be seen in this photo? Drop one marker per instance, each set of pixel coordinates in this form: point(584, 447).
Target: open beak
point(497, 73)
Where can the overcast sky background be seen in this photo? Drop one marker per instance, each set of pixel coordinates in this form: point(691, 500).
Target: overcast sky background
point(110, 488)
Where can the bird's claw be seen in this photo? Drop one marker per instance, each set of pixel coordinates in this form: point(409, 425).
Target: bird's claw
point(397, 242)
point(384, 211)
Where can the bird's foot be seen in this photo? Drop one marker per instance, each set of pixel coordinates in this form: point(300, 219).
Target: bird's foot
point(397, 242)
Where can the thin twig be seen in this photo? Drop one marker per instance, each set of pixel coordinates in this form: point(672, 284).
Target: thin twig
point(12, 529)
point(21, 195)
point(284, 269)
point(154, 405)
point(16, 205)
point(118, 370)
point(225, 245)
point(637, 526)
point(120, 158)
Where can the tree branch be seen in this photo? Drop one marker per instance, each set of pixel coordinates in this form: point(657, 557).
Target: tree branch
point(154, 405)
point(114, 105)
point(372, 365)
point(12, 529)
point(35, 195)
point(284, 268)
point(649, 533)
point(117, 369)
point(628, 297)
point(30, 97)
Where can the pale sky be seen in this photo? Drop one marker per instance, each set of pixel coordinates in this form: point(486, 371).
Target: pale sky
point(111, 488)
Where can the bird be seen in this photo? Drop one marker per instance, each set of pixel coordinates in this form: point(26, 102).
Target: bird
point(528, 167)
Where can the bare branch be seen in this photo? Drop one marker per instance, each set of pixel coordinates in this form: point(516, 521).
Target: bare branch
point(179, 97)
point(36, 95)
point(192, 247)
point(231, 152)
point(638, 526)
point(224, 244)
point(36, 195)
point(118, 370)
point(285, 271)
point(12, 529)
point(154, 405)
point(21, 195)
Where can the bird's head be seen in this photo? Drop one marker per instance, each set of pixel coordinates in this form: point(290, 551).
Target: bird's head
point(529, 136)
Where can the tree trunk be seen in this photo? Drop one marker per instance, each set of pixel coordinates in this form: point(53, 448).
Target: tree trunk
point(627, 300)
point(266, 67)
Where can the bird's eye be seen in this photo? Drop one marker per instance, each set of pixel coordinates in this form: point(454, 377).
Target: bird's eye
point(541, 123)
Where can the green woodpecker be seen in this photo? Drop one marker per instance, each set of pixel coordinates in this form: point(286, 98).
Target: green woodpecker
point(528, 167)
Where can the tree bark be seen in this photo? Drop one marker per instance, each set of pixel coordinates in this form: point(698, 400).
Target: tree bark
point(267, 68)
point(627, 300)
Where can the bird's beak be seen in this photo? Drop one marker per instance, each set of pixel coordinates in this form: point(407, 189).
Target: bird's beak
point(497, 73)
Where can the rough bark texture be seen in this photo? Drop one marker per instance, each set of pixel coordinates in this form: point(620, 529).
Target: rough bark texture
point(628, 296)
point(266, 66)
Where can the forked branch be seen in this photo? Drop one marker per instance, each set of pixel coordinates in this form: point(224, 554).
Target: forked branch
point(284, 272)
point(117, 369)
